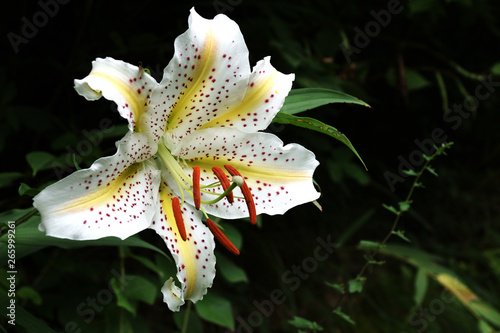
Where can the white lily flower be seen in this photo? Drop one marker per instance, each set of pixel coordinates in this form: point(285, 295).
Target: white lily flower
point(204, 116)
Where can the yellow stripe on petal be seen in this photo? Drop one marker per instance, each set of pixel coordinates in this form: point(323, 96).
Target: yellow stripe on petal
point(196, 82)
point(135, 100)
point(207, 75)
point(130, 87)
point(116, 196)
point(186, 250)
point(194, 257)
point(245, 115)
point(279, 177)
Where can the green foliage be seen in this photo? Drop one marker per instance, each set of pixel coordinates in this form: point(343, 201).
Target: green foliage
point(299, 322)
point(216, 309)
point(316, 125)
point(338, 312)
point(39, 160)
point(356, 285)
point(300, 100)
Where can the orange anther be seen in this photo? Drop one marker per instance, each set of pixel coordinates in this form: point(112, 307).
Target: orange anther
point(224, 182)
point(221, 238)
point(246, 194)
point(196, 187)
point(178, 218)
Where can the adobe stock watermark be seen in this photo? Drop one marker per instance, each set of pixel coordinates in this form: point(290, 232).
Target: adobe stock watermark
point(453, 116)
point(11, 272)
point(29, 28)
point(222, 6)
point(372, 29)
point(89, 307)
point(420, 318)
point(293, 278)
point(83, 148)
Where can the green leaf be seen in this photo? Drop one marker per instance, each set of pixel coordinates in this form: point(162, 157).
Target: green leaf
point(316, 125)
point(39, 160)
point(216, 309)
point(166, 266)
point(299, 322)
point(368, 244)
point(140, 289)
point(230, 272)
point(410, 172)
point(338, 286)
point(121, 300)
point(356, 285)
point(495, 69)
point(299, 100)
point(431, 170)
point(421, 283)
point(338, 312)
point(447, 278)
point(146, 262)
point(404, 206)
point(27, 190)
point(391, 209)
point(486, 311)
point(316, 203)
point(374, 262)
point(28, 293)
point(484, 327)
point(414, 80)
point(75, 163)
point(401, 234)
point(8, 177)
point(15, 214)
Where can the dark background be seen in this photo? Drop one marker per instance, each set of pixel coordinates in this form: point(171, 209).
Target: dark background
point(455, 216)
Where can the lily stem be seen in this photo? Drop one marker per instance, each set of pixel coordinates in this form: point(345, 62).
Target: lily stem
point(186, 318)
point(122, 283)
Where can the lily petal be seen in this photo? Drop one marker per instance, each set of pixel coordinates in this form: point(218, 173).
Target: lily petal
point(264, 97)
point(114, 197)
point(207, 75)
point(279, 177)
point(194, 257)
point(128, 86)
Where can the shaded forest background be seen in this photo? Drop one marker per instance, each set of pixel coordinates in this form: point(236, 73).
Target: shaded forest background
point(430, 71)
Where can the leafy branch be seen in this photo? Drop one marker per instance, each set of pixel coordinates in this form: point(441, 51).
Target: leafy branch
point(406, 204)
point(356, 285)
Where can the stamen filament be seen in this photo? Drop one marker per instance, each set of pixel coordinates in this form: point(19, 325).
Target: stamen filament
point(224, 182)
point(246, 194)
point(221, 238)
point(179, 221)
point(196, 187)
